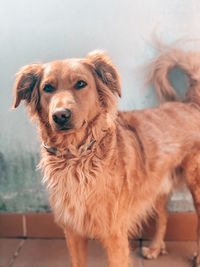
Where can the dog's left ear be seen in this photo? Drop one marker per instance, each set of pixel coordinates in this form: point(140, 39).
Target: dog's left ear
point(105, 70)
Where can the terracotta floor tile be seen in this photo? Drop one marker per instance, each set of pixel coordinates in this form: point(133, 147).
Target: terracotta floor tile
point(11, 225)
point(51, 253)
point(43, 253)
point(8, 247)
point(136, 259)
point(42, 225)
point(179, 255)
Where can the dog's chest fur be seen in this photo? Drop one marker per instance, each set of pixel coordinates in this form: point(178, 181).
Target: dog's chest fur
point(82, 195)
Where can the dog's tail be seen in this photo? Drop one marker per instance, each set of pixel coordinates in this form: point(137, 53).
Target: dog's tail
point(160, 68)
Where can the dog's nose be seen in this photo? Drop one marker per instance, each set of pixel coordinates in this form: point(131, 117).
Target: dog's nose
point(61, 115)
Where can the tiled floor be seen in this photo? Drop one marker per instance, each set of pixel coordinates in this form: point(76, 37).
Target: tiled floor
point(53, 253)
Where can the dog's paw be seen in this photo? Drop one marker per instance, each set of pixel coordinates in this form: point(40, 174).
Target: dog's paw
point(152, 253)
point(196, 260)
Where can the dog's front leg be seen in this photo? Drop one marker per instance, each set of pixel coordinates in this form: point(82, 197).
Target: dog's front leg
point(77, 246)
point(117, 249)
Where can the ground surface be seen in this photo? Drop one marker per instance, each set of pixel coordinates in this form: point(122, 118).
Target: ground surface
point(53, 252)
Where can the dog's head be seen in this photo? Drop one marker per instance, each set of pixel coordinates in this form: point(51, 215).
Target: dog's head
point(69, 93)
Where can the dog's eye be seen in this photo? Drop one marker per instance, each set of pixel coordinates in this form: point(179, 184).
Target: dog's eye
point(48, 88)
point(80, 84)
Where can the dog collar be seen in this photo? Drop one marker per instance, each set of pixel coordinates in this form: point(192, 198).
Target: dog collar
point(53, 150)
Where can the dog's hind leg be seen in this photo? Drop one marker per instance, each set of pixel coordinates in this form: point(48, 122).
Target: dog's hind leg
point(192, 169)
point(157, 245)
point(77, 246)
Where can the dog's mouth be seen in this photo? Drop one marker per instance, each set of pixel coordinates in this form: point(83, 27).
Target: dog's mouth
point(68, 127)
point(65, 128)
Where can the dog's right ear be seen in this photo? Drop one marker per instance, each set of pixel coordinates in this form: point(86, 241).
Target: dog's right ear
point(107, 79)
point(27, 80)
point(105, 70)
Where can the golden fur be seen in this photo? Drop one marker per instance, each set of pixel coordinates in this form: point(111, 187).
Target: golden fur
point(110, 169)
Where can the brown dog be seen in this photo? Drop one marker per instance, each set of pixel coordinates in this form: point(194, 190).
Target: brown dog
point(107, 170)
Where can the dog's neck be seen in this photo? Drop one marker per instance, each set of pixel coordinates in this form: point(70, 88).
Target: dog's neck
point(78, 142)
point(54, 150)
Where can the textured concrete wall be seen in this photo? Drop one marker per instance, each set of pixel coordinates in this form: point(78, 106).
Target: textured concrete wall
point(34, 31)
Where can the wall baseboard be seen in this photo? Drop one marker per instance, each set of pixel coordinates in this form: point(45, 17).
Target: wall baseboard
point(181, 226)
